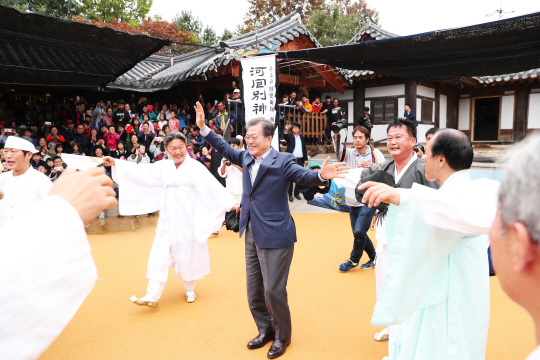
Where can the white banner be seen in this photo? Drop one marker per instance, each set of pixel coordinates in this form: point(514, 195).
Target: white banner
point(259, 83)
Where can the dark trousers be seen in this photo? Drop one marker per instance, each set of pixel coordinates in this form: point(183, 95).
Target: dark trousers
point(267, 271)
point(361, 217)
point(296, 192)
point(328, 130)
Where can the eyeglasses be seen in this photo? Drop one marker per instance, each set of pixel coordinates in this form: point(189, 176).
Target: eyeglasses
point(252, 137)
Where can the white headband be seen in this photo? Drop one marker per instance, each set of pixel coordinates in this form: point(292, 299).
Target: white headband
point(15, 142)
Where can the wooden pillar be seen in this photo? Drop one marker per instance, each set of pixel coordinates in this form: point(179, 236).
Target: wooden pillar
point(359, 96)
point(452, 104)
point(410, 95)
point(520, 116)
point(437, 105)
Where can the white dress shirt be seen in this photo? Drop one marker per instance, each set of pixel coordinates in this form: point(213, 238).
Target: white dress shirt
point(297, 153)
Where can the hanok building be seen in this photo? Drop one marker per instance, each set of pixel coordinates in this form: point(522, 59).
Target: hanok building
point(499, 108)
point(213, 69)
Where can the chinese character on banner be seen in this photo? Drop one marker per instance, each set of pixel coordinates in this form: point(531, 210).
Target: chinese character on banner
point(259, 88)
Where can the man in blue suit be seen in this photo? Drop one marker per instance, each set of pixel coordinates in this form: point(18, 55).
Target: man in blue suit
point(267, 222)
point(410, 114)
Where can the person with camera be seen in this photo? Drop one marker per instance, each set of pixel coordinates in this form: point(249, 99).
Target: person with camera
point(363, 156)
point(334, 115)
point(157, 147)
point(120, 115)
point(419, 149)
point(140, 156)
point(366, 116)
point(296, 145)
point(58, 168)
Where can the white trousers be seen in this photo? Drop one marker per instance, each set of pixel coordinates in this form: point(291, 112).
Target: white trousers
point(155, 289)
point(380, 266)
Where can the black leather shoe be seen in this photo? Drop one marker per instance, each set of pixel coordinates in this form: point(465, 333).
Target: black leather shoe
point(278, 348)
point(290, 198)
point(261, 340)
point(298, 196)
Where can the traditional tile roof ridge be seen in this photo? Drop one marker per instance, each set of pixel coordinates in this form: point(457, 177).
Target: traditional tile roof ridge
point(373, 30)
point(201, 61)
point(522, 75)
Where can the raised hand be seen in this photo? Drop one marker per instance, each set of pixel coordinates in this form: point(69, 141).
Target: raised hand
point(108, 161)
point(379, 193)
point(333, 171)
point(199, 117)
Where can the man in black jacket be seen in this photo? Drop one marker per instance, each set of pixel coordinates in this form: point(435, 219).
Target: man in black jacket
point(296, 145)
point(120, 115)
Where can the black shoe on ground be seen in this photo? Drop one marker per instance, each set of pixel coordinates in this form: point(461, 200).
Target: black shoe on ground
point(278, 348)
point(260, 340)
point(298, 196)
point(370, 264)
point(348, 265)
point(290, 198)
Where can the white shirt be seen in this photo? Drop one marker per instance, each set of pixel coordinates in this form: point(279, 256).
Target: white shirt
point(535, 355)
point(255, 165)
point(233, 178)
point(397, 176)
point(21, 192)
point(297, 153)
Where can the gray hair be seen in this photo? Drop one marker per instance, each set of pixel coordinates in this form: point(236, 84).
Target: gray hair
point(172, 136)
point(267, 125)
point(519, 194)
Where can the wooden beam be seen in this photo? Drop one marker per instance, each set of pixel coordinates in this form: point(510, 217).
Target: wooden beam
point(329, 77)
point(301, 81)
point(236, 69)
point(410, 94)
point(359, 96)
point(437, 105)
point(520, 116)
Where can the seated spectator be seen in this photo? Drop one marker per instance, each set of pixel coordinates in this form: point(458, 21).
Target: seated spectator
point(207, 163)
point(92, 140)
point(42, 170)
point(77, 149)
point(140, 156)
point(165, 111)
point(111, 138)
point(54, 138)
point(107, 118)
point(69, 133)
point(162, 121)
point(146, 136)
point(44, 149)
point(4, 166)
point(212, 125)
point(157, 147)
point(195, 138)
point(86, 128)
point(134, 146)
point(210, 111)
point(104, 129)
point(79, 138)
point(59, 149)
point(57, 169)
point(49, 164)
point(101, 144)
point(165, 131)
point(122, 133)
point(132, 114)
point(98, 151)
point(316, 106)
point(186, 131)
point(306, 104)
point(120, 152)
point(36, 161)
point(174, 123)
point(150, 125)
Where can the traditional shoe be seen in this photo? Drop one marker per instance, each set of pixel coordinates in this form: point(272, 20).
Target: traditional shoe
point(278, 348)
point(151, 304)
point(383, 335)
point(191, 298)
point(260, 340)
point(215, 233)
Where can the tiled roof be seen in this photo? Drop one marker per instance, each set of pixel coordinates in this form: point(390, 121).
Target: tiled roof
point(198, 63)
point(508, 77)
point(372, 29)
point(42, 50)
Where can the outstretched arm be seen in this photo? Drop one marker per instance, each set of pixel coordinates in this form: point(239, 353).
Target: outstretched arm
point(226, 150)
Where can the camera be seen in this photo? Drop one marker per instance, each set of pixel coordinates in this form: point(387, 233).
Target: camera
point(418, 147)
point(228, 163)
point(340, 124)
point(367, 124)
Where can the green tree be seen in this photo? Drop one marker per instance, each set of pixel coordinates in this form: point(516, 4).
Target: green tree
point(129, 11)
point(333, 26)
point(209, 36)
point(226, 35)
point(188, 22)
point(57, 8)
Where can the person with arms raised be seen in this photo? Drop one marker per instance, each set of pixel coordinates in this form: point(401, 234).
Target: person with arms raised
point(266, 219)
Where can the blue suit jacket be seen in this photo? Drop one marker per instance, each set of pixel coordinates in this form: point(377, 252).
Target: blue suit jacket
point(411, 116)
point(265, 204)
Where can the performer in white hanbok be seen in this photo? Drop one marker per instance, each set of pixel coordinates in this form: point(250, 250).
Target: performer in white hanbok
point(46, 275)
point(192, 204)
point(23, 186)
point(436, 285)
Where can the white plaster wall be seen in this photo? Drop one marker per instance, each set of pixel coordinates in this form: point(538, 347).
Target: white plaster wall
point(534, 111)
point(425, 91)
point(421, 132)
point(443, 103)
point(368, 104)
point(464, 114)
point(390, 90)
point(347, 95)
point(400, 106)
point(350, 112)
point(433, 113)
point(378, 132)
point(418, 109)
point(507, 112)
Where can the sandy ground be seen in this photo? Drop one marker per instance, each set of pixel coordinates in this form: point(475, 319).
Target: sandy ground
point(331, 311)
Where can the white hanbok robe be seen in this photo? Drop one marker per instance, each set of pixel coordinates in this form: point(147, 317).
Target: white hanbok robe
point(44, 277)
point(21, 192)
point(436, 285)
point(192, 204)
